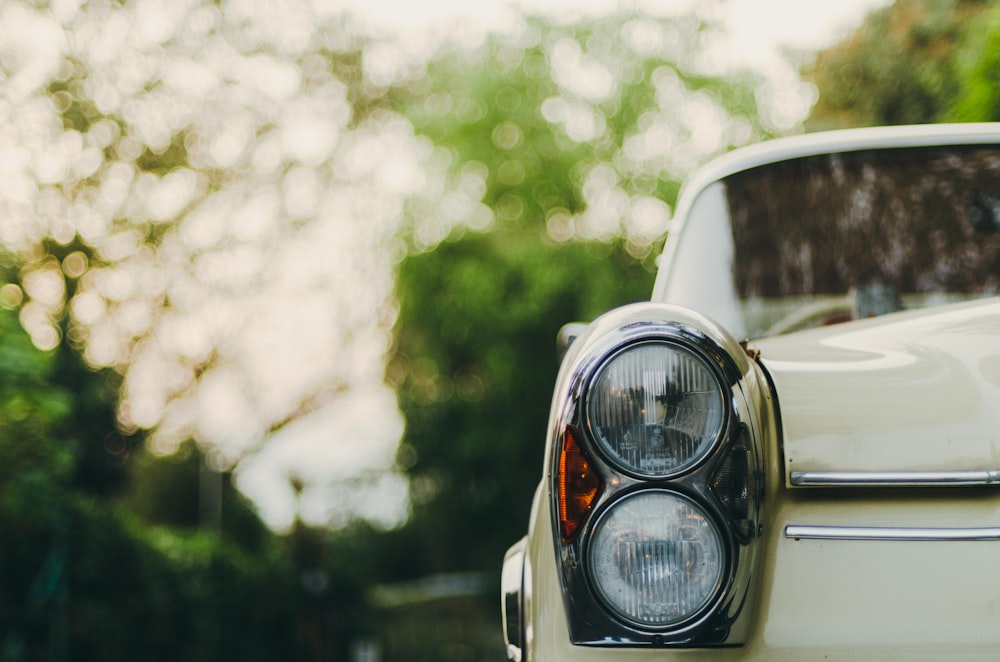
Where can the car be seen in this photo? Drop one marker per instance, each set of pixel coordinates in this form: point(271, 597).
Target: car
point(792, 451)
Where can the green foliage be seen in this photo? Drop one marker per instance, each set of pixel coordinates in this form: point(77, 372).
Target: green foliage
point(489, 112)
point(38, 463)
point(81, 575)
point(979, 66)
point(164, 161)
point(907, 64)
point(181, 492)
point(523, 113)
point(141, 593)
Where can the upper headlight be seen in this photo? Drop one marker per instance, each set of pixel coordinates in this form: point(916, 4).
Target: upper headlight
point(656, 409)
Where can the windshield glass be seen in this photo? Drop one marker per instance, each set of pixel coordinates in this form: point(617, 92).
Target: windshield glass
point(830, 238)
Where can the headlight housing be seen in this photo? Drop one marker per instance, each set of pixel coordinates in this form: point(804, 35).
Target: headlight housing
point(656, 483)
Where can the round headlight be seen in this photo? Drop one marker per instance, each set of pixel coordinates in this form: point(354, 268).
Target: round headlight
point(656, 559)
point(656, 408)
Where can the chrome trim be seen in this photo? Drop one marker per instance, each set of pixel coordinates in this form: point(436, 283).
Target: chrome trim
point(567, 334)
point(973, 478)
point(511, 600)
point(808, 532)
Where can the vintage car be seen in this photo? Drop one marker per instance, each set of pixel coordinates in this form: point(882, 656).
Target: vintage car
point(793, 450)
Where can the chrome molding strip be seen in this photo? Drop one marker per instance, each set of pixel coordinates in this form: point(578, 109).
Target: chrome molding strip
point(512, 600)
point(807, 532)
point(973, 478)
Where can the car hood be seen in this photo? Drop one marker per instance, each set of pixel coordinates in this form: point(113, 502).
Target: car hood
point(911, 391)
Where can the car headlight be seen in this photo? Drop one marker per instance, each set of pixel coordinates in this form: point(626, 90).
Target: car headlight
point(656, 558)
point(656, 468)
point(656, 409)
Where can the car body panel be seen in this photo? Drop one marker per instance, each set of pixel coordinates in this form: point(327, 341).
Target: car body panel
point(909, 391)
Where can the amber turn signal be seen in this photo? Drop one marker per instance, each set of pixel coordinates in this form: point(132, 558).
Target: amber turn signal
point(578, 484)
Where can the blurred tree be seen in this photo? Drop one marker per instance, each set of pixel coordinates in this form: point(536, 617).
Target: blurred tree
point(36, 474)
point(81, 576)
point(906, 64)
point(192, 189)
point(978, 97)
point(578, 131)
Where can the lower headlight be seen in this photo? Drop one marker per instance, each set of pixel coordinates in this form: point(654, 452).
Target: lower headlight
point(656, 559)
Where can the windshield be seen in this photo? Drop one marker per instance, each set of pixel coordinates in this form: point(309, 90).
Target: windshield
point(825, 239)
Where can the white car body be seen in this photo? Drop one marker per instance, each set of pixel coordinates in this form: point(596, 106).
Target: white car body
point(877, 448)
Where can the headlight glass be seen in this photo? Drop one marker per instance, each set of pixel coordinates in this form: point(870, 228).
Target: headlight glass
point(656, 409)
point(656, 559)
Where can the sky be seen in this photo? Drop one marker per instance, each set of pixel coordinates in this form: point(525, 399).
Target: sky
point(759, 28)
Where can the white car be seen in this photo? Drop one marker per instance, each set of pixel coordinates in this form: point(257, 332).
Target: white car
point(793, 450)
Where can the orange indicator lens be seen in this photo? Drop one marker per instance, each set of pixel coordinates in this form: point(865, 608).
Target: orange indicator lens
point(578, 485)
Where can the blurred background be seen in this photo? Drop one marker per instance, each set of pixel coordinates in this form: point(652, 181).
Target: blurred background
point(280, 284)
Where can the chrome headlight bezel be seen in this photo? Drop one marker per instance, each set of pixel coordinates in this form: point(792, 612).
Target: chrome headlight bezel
point(709, 479)
point(512, 600)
